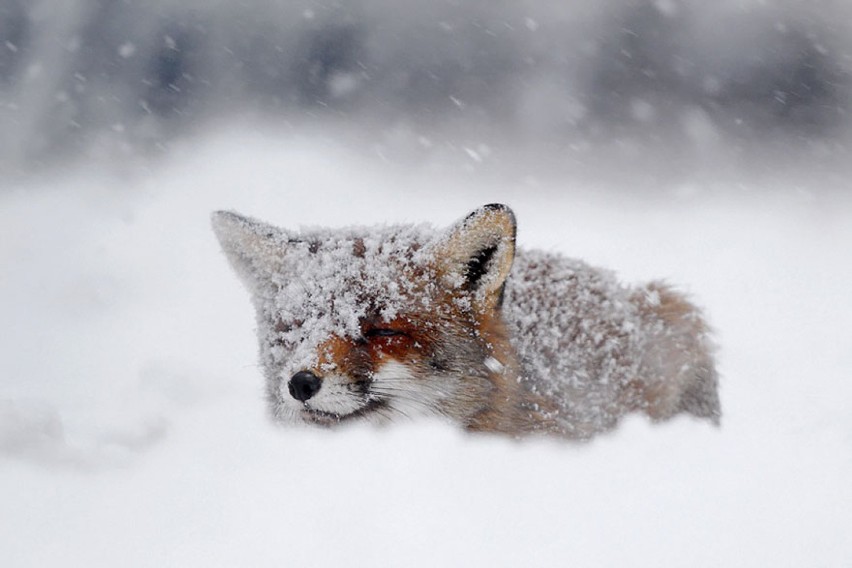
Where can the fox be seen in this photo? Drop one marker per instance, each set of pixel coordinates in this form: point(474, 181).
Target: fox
point(375, 324)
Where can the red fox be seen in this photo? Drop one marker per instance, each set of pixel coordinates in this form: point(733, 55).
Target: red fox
point(376, 323)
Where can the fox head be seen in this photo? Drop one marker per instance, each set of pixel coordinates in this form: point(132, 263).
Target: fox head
point(373, 323)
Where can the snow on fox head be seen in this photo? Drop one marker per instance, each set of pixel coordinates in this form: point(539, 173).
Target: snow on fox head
point(376, 322)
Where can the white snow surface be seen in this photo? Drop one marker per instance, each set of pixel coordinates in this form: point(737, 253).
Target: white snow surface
point(133, 426)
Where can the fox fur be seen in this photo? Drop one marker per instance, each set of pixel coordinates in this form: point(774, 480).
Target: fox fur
point(397, 321)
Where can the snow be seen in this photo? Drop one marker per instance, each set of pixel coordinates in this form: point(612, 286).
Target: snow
point(133, 427)
point(315, 283)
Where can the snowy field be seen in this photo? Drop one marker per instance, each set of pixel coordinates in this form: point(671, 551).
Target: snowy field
point(133, 429)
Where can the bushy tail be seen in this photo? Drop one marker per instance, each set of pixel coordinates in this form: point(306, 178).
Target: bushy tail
point(677, 366)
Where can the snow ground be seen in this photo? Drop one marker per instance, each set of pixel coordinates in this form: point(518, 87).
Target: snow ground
point(133, 430)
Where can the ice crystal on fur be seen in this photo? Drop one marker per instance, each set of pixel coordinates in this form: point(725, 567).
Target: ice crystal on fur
point(575, 342)
point(317, 283)
point(598, 347)
point(395, 320)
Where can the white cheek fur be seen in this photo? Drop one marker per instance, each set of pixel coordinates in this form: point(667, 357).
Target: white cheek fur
point(407, 394)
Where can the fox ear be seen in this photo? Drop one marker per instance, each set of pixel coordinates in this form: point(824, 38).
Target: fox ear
point(477, 253)
point(254, 249)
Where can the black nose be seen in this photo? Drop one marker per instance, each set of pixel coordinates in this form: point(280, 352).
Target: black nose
point(303, 385)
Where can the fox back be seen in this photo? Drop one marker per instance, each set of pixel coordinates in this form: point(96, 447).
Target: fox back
point(378, 323)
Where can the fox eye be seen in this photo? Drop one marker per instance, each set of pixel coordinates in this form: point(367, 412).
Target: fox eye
point(382, 332)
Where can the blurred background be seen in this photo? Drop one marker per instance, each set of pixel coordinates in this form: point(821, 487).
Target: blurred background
point(701, 142)
point(638, 90)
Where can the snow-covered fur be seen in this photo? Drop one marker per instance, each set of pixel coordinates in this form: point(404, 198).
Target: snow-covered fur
point(383, 322)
